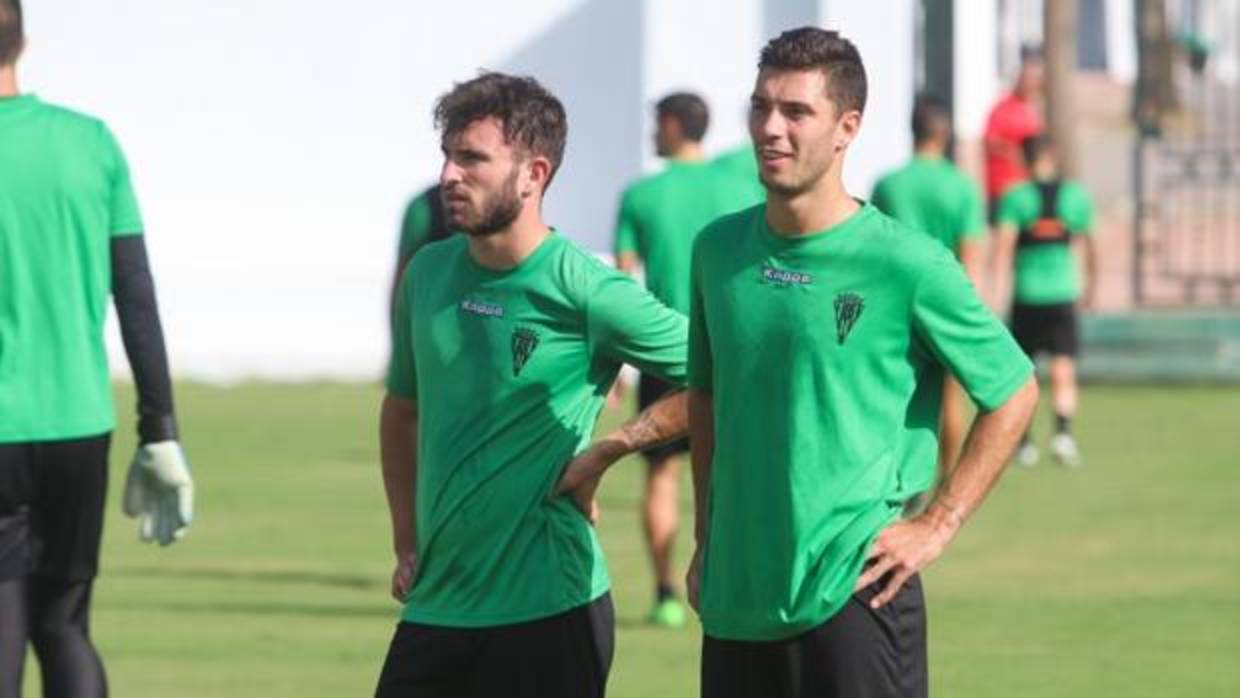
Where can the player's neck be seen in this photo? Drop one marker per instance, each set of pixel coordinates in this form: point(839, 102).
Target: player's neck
point(930, 150)
point(8, 81)
point(689, 152)
point(816, 210)
point(509, 247)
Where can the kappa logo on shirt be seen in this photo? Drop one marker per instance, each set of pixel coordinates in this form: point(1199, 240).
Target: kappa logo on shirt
point(848, 307)
point(482, 308)
point(524, 342)
point(785, 277)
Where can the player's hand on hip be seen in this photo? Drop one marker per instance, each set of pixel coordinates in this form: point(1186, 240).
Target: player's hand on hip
point(901, 550)
point(693, 580)
point(402, 577)
point(160, 492)
point(582, 476)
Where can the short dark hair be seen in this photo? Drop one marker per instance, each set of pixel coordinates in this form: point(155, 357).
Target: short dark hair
point(689, 110)
point(931, 117)
point(12, 35)
point(811, 48)
point(1035, 146)
point(533, 119)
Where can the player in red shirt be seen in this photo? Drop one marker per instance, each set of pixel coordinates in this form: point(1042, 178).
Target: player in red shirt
point(1013, 119)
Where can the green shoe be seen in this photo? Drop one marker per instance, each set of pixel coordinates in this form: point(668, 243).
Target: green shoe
point(668, 613)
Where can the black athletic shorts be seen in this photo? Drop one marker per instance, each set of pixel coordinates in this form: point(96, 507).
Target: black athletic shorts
point(51, 507)
point(649, 390)
point(563, 656)
point(1046, 328)
point(857, 653)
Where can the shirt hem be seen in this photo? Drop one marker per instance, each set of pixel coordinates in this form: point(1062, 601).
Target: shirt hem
point(453, 621)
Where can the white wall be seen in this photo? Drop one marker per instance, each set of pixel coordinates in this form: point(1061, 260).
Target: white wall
point(274, 143)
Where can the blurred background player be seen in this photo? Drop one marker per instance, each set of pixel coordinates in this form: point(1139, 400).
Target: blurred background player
point(739, 169)
point(659, 217)
point(1013, 119)
point(1041, 223)
point(70, 234)
point(931, 195)
point(422, 223)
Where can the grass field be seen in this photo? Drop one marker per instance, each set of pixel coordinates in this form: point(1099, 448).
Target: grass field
point(1120, 579)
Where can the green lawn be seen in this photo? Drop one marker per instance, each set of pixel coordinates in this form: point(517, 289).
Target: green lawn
point(1121, 579)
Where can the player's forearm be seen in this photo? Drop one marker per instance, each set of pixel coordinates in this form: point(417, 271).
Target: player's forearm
point(970, 255)
point(991, 441)
point(398, 454)
point(664, 421)
point(133, 292)
point(702, 452)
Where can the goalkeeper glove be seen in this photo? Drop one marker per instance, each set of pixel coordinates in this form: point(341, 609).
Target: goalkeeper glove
point(160, 492)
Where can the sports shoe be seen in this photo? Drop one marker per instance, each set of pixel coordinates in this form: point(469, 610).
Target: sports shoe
point(1063, 448)
point(1027, 455)
point(668, 613)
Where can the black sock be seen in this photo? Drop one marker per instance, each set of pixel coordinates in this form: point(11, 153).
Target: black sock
point(663, 592)
point(1062, 424)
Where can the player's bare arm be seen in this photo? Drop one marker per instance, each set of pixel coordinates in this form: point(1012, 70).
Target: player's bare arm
point(701, 452)
point(398, 437)
point(907, 547)
point(1088, 254)
point(665, 421)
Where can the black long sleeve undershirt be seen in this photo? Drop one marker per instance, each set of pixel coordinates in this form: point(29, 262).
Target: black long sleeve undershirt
point(133, 291)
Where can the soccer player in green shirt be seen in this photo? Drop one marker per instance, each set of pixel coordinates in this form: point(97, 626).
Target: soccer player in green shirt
point(819, 335)
point(1044, 228)
point(502, 359)
point(929, 194)
point(659, 217)
point(70, 236)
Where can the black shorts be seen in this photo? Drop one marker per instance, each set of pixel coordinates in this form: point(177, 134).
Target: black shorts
point(857, 652)
point(52, 495)
point(649, 390)
point(1046, 328)
point(563, 656)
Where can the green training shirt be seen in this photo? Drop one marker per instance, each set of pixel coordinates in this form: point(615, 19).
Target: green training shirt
point(661, 214)
point(64, 193)
point(825, 356)
point(510, 370)
point(422, 223)
point(933, 196)
point(1047, 274)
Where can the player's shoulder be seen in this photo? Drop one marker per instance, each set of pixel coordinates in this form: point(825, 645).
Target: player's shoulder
point(905, 247)
point(438, 254)
point(70, 118)
point(725, 230)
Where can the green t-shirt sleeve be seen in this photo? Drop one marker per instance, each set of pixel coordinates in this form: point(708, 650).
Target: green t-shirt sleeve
point(124, 217)
point(1010, 205)
point(626, 226)
point(415, 227)
point(972, 214)
point(966, 338)
point(626, 324)
point(1077, 210)
point(401, 377)
point(701, 362)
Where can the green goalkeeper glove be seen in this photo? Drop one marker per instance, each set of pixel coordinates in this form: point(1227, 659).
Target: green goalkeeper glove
point(159, 490)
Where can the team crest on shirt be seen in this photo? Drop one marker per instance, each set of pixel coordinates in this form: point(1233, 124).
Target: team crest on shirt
point(848, 307)
point(524, 342)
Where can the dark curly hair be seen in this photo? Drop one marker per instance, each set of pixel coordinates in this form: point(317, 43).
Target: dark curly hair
point(11, 32)
point(533, 119)
point(811, 48)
